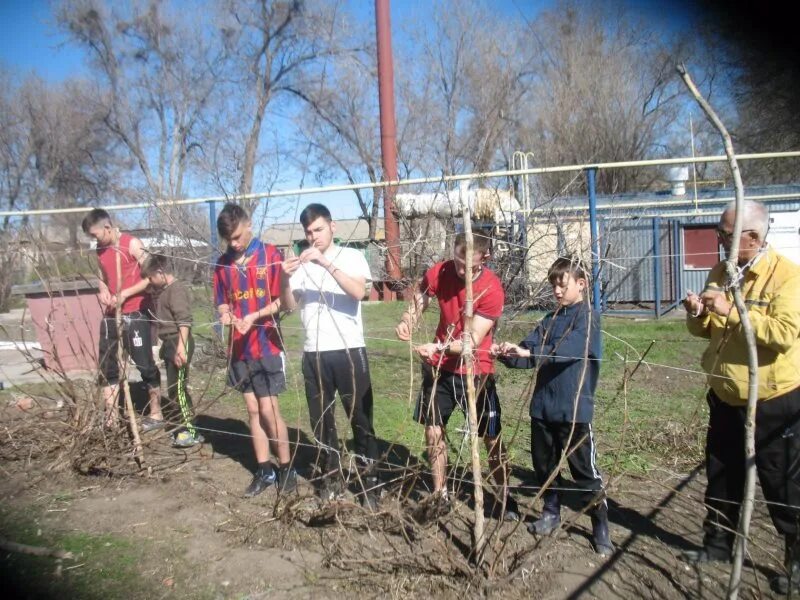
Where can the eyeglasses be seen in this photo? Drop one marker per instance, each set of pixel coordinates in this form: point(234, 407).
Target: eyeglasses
point(727, 236)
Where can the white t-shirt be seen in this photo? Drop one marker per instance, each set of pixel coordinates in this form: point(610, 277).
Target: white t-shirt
point(331, 318)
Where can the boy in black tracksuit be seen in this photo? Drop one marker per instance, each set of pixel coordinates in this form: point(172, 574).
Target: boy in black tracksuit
point(566, 349)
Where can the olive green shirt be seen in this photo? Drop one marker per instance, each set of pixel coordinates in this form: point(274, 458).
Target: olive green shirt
point(172, 308)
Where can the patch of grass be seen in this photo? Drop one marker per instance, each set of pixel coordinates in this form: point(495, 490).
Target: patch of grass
point(108, 564)
point(103, 565)
point(659, 417)
point(630, 425)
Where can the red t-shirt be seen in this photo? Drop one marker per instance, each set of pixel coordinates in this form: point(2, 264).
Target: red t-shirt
point(248, 288)
point(442, 282)
point(131, 273)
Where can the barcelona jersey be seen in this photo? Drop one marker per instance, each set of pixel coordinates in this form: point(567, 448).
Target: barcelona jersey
point(247, 288)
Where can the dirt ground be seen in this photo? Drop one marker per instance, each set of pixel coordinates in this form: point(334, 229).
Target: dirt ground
point(202, 539)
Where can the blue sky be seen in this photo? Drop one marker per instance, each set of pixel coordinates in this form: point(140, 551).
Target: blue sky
point(30, 43)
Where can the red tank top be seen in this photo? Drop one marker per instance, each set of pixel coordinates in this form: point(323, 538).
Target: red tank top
point(131, 272)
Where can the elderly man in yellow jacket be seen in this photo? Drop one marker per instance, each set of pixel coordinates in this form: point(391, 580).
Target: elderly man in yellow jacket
point(770, 285)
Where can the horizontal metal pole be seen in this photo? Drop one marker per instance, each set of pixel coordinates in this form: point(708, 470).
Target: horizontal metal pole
point(404, 182)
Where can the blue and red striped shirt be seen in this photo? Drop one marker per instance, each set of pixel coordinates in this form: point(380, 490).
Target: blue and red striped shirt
point(247, 288)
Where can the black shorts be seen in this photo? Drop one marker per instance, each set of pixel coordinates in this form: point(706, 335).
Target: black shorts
point(263, 377)
point(450, 391)
point(136, 340)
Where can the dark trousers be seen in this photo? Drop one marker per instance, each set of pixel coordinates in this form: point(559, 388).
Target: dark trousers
point(548, 442)
point(345, 371)
point(136, 340)
point(179, 399)
point(777, 464)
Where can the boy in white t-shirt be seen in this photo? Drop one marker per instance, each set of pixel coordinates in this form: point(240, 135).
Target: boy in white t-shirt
point(328, 282)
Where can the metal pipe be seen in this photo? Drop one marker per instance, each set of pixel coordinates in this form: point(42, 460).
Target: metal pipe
point(590, 175)
point(657, 266)
point(383, 29)
point(677, 267)
point(405, 182)
point(602, 231)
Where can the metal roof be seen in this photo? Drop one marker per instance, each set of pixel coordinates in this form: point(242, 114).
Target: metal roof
point(707, 200)
point(347, 231)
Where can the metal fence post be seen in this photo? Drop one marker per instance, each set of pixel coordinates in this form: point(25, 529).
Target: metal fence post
point(212, 226)
point(596, 301)
point(657, 265)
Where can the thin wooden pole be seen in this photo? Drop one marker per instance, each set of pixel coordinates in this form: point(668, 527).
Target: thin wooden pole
point(469, 360)
point(138, 452)
point(740, 549)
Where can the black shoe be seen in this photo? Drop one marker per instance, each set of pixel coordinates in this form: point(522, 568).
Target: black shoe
point(705, 555)
point(261, 481)
point(287, 481)
point(600, 534)
point(780, 584)
point(511, 512)
point(784, 583)
point(546, 525)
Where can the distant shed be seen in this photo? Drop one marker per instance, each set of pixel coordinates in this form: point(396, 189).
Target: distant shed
point(656, 246)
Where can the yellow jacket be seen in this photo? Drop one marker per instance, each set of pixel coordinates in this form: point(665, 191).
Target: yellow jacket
point(771, 291)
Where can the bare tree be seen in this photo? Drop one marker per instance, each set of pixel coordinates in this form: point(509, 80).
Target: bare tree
point(604, 91)
point(16, 160)
point(75, 158)
point(275, 47)
point(160, 70)
point(341, 129)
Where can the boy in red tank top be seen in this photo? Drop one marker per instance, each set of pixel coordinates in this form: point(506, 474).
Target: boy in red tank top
point(129, 290)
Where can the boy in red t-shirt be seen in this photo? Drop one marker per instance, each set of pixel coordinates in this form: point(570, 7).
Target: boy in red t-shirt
point(129, 291)
point(444, 385)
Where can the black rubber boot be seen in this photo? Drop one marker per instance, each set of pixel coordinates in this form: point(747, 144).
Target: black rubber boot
point(783, 583)
point(551, 515)
point(600, 533)
point(716, 548)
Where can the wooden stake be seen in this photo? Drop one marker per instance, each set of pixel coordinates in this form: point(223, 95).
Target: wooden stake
point(138, 453)
point(740, 549)
point(469, 358)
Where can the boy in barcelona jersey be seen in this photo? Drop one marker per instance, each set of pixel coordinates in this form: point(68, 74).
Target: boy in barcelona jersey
point(247, 281)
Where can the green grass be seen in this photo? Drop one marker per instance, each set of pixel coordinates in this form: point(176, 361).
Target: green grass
point(104, 566)
point(658, 419)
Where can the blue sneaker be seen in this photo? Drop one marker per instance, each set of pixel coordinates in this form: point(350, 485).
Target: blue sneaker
point(261, 481)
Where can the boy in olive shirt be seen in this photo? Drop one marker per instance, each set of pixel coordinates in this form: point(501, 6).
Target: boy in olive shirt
point(172, 311)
